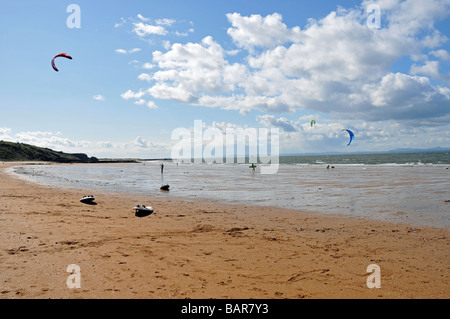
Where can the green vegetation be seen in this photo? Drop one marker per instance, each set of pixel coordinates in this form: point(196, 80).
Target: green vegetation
point(10, 152)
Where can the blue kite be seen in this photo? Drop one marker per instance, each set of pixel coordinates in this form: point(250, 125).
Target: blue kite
point(352, 136)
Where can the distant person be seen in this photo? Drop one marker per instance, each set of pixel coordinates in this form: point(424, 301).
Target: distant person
point(162, 168)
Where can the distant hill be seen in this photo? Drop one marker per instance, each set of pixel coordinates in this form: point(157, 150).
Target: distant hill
point(11, 152)
point(420, 150)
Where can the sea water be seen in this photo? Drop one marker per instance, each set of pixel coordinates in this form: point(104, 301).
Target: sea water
point(405, 188)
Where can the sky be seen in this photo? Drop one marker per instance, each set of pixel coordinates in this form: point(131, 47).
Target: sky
point(143, 69)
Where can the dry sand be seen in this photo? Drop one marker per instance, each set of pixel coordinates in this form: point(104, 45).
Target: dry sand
point(204, 249)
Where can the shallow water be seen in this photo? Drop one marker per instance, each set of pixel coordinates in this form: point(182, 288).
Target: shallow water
point(414, 194)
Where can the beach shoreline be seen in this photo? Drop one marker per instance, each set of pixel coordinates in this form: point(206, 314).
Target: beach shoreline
point(204, 249)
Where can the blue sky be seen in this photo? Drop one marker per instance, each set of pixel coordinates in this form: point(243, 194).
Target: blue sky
point(141, 69)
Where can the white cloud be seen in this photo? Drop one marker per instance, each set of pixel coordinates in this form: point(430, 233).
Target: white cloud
point(122, 51)
point(271, 121)
point(148, 66)
point(138, 96)
point(98, 97)
point(140, 102)
point(134, 50)
point(140, 142)
point(408, 18)
point(4, 134)
point(401, 96)
point(430, 68)
point(166, 44)
point(144, 77)
point(181, 34)
point(165, 21)
point(256, 30)
point(335, 65)
point(442, 54)
point(121, 23)
point(151, 105)
point(142, 18)
point(142, 29)
point(145, 27)
point(187, 69)
point(132, 95)
point(45, 139)
point(177, 93)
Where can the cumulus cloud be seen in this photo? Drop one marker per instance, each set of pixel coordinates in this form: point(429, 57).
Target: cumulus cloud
point(145, 28)
point(140, 142)
point(4, 134)
point(132, 95)
point(271, 121)
point(151, 105)
point(194, 67)
point(142, 29)
point(442, 54)
point(256, 30)
point(335, 65)
point(402, 96)
point(148, 66)
point(429, 68)
point(144, 77)
point(138, 96)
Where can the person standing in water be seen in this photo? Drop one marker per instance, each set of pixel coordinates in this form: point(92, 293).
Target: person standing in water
point(162, 168)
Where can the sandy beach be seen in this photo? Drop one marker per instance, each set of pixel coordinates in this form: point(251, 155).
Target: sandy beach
point(204, 249)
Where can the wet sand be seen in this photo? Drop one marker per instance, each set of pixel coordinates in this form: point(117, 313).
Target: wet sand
point(204, 249)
